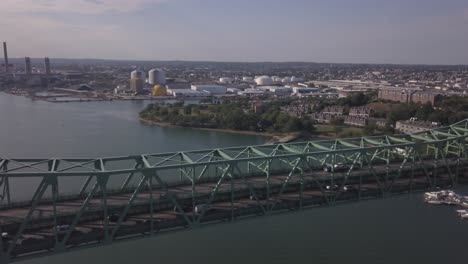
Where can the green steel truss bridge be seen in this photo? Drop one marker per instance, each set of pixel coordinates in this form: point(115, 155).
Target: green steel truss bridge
point(54, 205)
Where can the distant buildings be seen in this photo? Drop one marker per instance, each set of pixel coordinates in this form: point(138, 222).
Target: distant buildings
point(211, 89)
point(295, 110)
point(355, 121)
point(363, 111)
point(414, 126)
point(278, 90)
point(379, 122)
point(423, 97)
point(322, 118)
point(406, 95)
point(187, 93)
point(333, 110)
point(176, 83)
point(225, 80)
point(395, 94)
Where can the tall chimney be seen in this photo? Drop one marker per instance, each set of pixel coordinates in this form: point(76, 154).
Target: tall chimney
point(5, 53)
point(47, 66)
point(47, 70)
point(28, 68)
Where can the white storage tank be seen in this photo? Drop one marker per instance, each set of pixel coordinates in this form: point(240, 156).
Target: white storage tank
point(264, 80)
point(137, 75)
point(157, 76)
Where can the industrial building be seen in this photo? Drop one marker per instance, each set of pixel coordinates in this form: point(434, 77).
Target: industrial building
point(276, 89)
point(304, 90)
point(187, 93)
point(156, 76)
point(177, 83)
point(252, 92)
point(225, 80)
point(211, 89)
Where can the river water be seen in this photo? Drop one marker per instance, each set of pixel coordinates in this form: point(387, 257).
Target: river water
point(395, 230)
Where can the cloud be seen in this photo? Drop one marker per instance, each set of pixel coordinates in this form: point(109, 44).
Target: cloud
point(75, 6)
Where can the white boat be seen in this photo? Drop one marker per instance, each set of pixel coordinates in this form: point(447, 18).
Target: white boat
point(464, 216)
point(430, 195)
point(462, 212)
point(433, 202)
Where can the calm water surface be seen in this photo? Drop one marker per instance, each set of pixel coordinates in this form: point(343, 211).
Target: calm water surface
point(395, 230)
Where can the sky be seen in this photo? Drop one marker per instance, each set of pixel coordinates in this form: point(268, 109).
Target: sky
point(347, 31)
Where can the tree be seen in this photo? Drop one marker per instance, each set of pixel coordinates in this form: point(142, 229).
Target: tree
point(188, 110)
point(175, 111)
point(425, 111)
point(368, 130)
point(164, 111)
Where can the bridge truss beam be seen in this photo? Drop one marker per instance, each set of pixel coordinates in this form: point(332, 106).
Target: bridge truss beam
point(120, 197)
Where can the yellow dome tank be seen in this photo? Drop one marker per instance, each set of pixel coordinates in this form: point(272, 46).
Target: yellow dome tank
point(159, 90)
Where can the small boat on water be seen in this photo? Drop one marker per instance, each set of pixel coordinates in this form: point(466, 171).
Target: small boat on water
point(462, 212)
point(447, 197)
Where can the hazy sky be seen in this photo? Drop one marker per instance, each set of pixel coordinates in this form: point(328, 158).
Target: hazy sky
point(371, 31)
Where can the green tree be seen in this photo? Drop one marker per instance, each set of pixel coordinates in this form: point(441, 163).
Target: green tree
point(188, 110)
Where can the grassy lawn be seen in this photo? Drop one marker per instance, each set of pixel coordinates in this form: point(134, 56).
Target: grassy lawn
point(337, 131)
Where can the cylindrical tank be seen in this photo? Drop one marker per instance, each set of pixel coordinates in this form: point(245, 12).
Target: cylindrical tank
point(157, 76)
point(137, 75)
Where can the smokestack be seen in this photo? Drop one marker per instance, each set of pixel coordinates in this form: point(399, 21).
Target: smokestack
point(47, 70)
point(47, 66)
point(28, 68)
point(5, 53)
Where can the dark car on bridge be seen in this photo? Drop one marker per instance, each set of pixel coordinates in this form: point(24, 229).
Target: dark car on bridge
point(337, 167)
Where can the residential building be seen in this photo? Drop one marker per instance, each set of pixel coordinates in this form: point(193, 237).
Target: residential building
point(363, 111)
point(333, 110)
point(355, 121)
point(414, 126)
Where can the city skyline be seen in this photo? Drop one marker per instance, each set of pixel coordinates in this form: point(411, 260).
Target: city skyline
point(400, 32)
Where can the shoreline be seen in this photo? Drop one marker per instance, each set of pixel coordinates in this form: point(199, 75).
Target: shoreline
point(271, 137)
